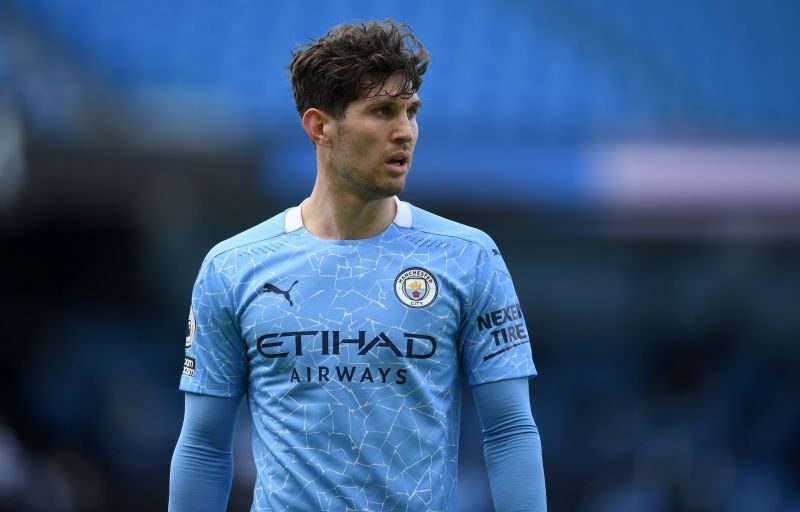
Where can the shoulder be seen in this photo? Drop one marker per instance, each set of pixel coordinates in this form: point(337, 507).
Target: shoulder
point(270, 229)
point(428, 222)
point(425, 221)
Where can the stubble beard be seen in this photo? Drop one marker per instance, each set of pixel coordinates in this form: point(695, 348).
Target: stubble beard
point(368, 185)
point(363, 183)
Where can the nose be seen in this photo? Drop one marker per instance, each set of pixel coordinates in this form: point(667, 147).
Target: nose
point(403, 130)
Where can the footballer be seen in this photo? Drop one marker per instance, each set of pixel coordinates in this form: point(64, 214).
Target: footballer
point(347, 321)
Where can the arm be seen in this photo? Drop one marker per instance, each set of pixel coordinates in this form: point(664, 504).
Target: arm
point(512, 448)
point(202, 465)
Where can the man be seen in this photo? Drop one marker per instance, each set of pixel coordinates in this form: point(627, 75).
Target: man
point(348, 320)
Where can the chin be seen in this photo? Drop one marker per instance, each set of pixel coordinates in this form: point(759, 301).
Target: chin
point(383, 193)
point(384, 188)
point(375, 187)
point(392, 189)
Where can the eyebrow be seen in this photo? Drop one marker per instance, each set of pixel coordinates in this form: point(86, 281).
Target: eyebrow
point(391, 100)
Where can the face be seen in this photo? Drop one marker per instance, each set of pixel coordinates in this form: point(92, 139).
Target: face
point(374, 142)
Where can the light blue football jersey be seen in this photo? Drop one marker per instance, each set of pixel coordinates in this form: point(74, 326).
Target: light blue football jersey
point(350, 352)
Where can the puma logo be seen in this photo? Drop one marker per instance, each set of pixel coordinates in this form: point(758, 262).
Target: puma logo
point(271, 288)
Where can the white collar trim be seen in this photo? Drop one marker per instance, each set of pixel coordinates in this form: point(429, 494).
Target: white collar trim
point(294, 217)
point(403, 216)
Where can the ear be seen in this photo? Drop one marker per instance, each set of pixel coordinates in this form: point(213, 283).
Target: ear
point(317, 125)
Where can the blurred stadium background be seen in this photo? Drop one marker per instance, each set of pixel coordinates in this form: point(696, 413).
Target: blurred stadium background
point(637, 162)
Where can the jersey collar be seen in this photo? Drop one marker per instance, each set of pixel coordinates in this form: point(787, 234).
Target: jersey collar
point(294, 219)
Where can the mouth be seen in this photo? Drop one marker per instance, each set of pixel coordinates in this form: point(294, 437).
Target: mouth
point(398, 163)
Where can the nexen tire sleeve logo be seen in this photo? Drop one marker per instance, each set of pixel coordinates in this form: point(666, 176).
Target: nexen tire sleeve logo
point(506, 328)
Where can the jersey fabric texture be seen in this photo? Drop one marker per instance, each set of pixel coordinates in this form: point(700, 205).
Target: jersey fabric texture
point(350, 352)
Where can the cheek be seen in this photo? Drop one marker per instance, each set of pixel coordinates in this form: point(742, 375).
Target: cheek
point(365, 144)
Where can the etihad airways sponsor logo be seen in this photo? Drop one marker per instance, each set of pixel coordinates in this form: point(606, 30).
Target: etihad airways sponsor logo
point(284, 344)
point(393, 352)
point(361, 374)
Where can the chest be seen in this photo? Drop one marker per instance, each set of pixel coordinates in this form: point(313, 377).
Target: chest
point(393, 314)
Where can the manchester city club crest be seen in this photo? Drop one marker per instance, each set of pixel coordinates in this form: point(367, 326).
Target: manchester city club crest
point(416, 287)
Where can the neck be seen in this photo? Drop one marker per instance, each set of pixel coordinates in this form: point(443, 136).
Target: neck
point(338, 215)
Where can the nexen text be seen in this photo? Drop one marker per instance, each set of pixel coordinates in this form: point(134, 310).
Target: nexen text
point(498, 318)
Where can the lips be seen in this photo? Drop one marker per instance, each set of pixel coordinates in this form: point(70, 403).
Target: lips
point(398, 161)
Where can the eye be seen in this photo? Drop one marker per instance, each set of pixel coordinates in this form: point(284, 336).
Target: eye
point(383, 111)
point(412, 113)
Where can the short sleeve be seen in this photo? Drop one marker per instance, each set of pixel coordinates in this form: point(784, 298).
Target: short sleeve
point(493, 337)
point(215, 360)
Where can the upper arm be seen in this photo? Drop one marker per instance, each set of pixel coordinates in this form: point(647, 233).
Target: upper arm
point(209, 421)
point(215, 357)
point(493, 338)
point(503, 405)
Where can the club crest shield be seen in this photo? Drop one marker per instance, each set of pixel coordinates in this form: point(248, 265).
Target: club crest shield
point(416, 287)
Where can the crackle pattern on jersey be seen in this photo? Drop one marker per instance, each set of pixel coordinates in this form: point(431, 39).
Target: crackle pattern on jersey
point(350, 353)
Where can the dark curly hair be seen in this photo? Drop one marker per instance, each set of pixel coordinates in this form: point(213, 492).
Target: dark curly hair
point(350, 61)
